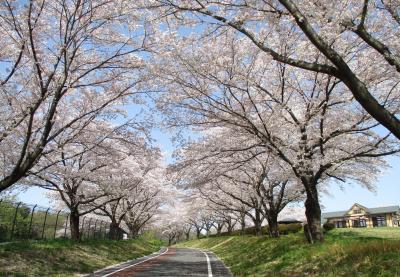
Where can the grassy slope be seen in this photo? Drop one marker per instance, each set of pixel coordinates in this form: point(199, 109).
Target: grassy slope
point(362, 252)
point(66, 258)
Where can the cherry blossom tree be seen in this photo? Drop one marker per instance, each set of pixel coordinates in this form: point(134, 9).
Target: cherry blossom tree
point(174, 225)
point(270, 192)
point(63, 64)
point(194, 213)
point(150, 202)
point(302, 118)
point(219, 224)
point(228, 218)
point(174, 221)
point(352, 41)
point(187, 228)
point(233, 179)
point(81, 172)
point(127, 188)
point(171, 231)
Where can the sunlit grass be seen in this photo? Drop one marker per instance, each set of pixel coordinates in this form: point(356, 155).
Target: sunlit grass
point(382, 232)
point(344, 253)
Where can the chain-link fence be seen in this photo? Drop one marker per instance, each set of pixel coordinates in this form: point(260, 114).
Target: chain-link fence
point(22, 221)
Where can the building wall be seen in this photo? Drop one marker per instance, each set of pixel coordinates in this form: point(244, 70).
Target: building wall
point(389, 221)
point(370, 224)
point(356, 210)
point(349, 223)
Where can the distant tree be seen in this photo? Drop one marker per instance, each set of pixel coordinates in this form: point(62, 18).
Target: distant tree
point(151, 201)
point(128, 186)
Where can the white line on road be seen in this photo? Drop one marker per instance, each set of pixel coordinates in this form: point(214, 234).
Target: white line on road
point(208, 264)
point(109, 274)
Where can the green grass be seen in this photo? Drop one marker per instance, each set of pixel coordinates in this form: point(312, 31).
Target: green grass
point(386, 233)
point(355, 252)
point(66, 258)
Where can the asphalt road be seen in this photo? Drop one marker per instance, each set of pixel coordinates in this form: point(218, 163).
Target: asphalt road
point(170, 262)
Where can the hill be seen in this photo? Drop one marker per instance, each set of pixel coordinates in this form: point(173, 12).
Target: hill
point(67, 258)
point(356, 252)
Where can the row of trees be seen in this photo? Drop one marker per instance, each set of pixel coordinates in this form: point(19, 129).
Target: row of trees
point(67, 70)
point(109, 172)
point(285, 98)
point(193, 214)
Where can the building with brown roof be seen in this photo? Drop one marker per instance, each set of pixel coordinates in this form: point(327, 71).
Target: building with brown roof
point(360, 216)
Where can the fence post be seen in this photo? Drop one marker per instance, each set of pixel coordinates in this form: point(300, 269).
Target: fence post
point(30, 222)
point(82, 228)
point(55, 227)
point(101, 227)
point(118, 233)
point(15, 219)
point(66, 225)
point(88, 232)
point(44, 221)
point(109, 229)
point(95, 226)
point(105, 230)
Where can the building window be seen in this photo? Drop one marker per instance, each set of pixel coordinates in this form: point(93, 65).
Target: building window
point(359, 223)
point(340, 224)
point(357, 211)
point(379, 221)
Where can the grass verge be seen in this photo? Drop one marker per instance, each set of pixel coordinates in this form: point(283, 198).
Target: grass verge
point(344, 253)
point(66, 258)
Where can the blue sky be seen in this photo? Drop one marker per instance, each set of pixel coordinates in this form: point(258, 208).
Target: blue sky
point(387, 191)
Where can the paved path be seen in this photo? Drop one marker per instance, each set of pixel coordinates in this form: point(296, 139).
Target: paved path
point(170, 262)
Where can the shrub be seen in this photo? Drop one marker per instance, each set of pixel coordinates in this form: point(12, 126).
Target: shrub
point(285, 229)
point(328, 226)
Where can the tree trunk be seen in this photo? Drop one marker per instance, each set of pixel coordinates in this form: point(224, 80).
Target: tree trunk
point(133, 231)
point(257, 223)
point(20, 171)
point(208, 232)
point(219, 230)
point(243, 225)
point(313, 231)
point(198, 232)
point(229, 227)
point(273, 227)
point(8, 181)
point(114, 230)
point(74, 225)
point(187, 235)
